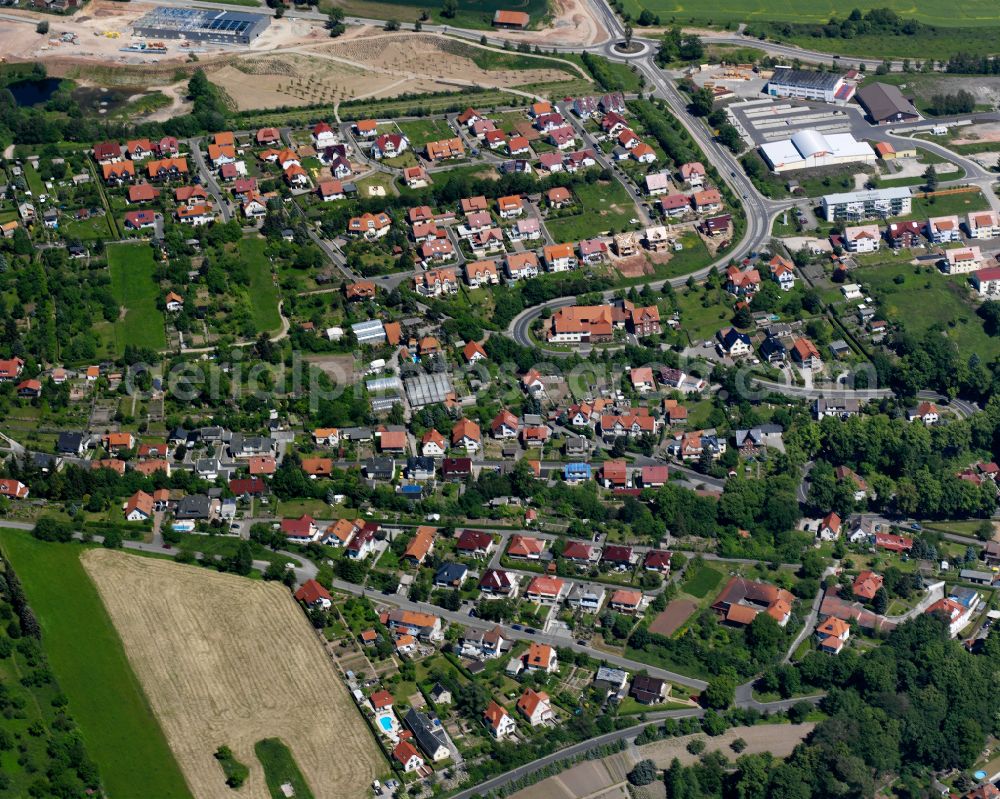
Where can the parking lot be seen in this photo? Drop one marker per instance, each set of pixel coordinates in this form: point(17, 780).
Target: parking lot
point(765, 120)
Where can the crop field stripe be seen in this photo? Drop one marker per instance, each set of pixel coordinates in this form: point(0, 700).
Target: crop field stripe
point(118, 726)
point(133, 286)
point(280, 767)
point(263, 293)
point(931, 12)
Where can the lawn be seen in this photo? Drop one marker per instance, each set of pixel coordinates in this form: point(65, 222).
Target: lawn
point(614, 75)
point(263, 292)
point(118, 727)
point(88, 229)
point(949, 204)
point(34, 180)
point(629, 707)
point(925, 299)
point(699, 580)
point(376, 179)
point(495, 60)
point(225, 546)
point(421, 131)
point(279, 768)
point(316, 508)
point(395, 107)
point(698, 320)
point(606, 206)
point(133, 286)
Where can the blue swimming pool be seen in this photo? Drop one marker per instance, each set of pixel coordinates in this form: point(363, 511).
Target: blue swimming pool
point(385, 722)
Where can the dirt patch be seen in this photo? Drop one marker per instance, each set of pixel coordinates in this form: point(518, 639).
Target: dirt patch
point(339, 368)
point(633, 266)
point(673, 616)
point(583, 779)
point(573, 22)
point(226, 660)
point(974, 134)
point(778, 739)
point(179, 104)
point(419, 55)
point(605, 778)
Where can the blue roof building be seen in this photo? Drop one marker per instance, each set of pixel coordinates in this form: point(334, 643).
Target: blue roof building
point(576, 472)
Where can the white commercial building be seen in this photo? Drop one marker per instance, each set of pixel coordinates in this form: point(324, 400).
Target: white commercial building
point(857, 205)
point(809, 148)
point(827, 87)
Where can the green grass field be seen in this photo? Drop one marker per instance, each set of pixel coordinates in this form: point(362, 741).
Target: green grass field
point(34, 180)
point(224, 546)
point(939, 43)
point(471, 14)
point(968, 26)
point(133, 286)
point(39, 709)
point(263, 292)
point(611, 74)
point(118, 726)
point(926, 299)
point(699, 581)
point(279, 768)
point(421, 131)
point(606, 206)
point(88, 229)
point(965, 13)
point(960, 204)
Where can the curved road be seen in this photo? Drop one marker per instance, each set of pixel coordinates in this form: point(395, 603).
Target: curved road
point(744, 698)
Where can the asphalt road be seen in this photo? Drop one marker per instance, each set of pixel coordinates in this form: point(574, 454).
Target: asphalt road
point(744, 698)
point(208, 179)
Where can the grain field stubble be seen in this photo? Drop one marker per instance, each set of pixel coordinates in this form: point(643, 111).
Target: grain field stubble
point(226, 660)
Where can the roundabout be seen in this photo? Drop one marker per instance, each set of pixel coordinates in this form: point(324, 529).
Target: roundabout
point(634, 49)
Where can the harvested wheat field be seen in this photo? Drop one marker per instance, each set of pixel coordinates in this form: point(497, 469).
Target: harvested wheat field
point(229, 661)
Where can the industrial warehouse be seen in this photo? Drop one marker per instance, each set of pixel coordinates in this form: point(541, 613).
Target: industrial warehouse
point(201, 25)
point(802, 84)
point(810, 148)
point(885, 103)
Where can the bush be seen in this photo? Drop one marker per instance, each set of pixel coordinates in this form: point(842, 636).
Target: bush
point(49, 529)
point(236, 772)
point(644, 773)
point(696, 746)
point(738, 745)
point(112, 540)
point(713, 724)
point(720, 693)
point(798, 712)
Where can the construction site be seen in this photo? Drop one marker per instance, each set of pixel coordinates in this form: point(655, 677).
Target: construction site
point(144, 34)
point(201, 25)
